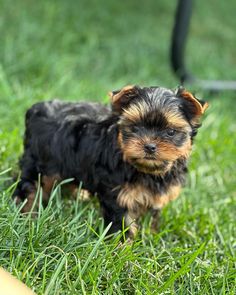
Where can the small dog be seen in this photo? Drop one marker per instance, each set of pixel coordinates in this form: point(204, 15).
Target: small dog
point(133, 156)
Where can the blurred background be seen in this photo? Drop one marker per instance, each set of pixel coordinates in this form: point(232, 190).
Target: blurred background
point(83, 49)
point(78, 50)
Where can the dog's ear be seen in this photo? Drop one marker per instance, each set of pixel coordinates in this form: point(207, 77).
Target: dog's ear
point(195, 106)
point(120, 99)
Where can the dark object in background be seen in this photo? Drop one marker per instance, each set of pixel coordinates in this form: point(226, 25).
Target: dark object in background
point(132, 156)
point(179, 36)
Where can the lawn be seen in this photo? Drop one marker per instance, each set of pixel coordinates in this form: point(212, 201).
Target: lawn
point(81, 50)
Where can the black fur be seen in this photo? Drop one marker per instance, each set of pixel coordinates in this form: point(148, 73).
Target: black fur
point(80, 141)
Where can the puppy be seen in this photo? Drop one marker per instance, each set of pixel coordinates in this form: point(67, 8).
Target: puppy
point(133, 155)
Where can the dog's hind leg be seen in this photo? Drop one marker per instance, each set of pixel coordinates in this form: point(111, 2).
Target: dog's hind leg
point(27, 186)
point(48, 182)
point(26, 189)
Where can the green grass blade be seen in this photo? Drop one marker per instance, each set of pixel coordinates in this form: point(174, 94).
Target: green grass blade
point(54, 277)
point(182, 270)
point(95, 248)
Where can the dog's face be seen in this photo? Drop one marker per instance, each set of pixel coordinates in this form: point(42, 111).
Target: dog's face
point(156, 125)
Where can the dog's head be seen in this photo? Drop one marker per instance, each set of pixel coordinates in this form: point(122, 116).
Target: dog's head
point(156, 125)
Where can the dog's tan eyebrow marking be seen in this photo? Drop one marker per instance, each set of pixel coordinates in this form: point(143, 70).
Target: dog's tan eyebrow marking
point(176, 120)
point(135, 112)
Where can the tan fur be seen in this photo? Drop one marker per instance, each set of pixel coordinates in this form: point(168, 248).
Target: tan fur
point(170, 152)
point(29, 204)
point(199, 109)
point(133, 148)
point(120, 140)
point(84, 195)
point(138, 199)
point(155, 220)
point(130, 221)
point(123, 91)
point(134, 198)
point(135, 112)
point(172, 194)
point(152, 169)
point(175, 120)
point(48, 182)
point(166, 151)
point(122, 97)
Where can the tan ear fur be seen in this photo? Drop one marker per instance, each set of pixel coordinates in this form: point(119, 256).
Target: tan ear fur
point(200, 107)
point(122, 97)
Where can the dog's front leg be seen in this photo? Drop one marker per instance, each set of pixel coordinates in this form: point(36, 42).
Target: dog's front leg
point(113, 213)
point(155, 223)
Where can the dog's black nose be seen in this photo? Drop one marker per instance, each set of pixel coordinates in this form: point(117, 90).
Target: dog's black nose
point(150, 148)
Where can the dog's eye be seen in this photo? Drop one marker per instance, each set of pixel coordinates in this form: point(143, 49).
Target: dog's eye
point(170, 132)
point(138, 129)
point(135, 129)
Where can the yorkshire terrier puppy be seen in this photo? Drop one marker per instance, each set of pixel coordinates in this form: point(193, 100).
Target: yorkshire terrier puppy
point(133, 156)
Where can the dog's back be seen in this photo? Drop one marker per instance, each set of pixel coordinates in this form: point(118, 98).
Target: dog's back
point(60, 111)
point(43, 119)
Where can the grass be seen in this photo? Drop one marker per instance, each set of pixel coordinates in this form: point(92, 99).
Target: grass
point(78, 50)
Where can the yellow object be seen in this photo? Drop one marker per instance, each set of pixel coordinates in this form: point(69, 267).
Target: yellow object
point(9, 285)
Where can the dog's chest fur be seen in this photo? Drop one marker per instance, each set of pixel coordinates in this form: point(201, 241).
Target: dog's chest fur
point(136, 197)
point(144, 191)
